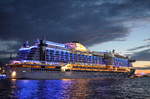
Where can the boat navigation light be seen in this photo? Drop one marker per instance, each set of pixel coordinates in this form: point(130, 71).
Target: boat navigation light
point(13, 74)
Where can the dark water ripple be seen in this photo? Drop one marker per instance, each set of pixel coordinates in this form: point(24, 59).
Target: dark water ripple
point(138, 88)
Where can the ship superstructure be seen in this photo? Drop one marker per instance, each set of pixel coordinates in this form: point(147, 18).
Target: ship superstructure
point(47, 56)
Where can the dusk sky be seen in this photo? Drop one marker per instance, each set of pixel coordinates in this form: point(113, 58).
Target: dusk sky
point(123, 25)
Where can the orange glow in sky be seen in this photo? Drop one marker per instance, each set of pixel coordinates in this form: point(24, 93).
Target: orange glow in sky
point(142, 64)
point(142, 72)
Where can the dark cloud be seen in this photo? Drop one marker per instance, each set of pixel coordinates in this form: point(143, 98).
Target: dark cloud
point(70, 20)
point(147, 39)
point(141, 52)
point(139, 47)
point(87, 21)
point(8, 50)
point(90, 21)
point(142, 55)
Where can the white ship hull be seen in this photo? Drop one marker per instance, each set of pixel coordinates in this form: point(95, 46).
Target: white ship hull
point(27, 73)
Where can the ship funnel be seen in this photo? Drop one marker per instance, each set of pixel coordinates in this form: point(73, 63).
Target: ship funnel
point(42, 43)
point(113, 51)
point(42, 48)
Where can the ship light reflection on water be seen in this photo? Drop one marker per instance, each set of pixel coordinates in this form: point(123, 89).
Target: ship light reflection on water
point(43, 89)
point(27, 88)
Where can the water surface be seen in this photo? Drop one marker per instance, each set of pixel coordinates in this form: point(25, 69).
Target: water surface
point(138, 88)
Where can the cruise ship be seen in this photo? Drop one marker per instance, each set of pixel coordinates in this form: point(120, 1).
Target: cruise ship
point(49, 60)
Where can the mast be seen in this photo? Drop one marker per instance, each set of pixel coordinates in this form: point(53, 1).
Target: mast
point(10, 56)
